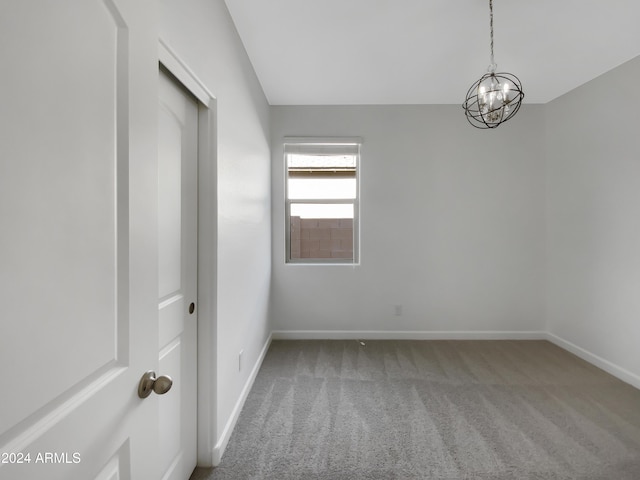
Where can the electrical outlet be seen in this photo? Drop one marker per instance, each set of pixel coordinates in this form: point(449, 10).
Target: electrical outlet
point(397, 310)
point(240, 360)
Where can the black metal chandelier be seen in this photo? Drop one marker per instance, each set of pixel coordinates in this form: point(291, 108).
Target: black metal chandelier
point(496, 97)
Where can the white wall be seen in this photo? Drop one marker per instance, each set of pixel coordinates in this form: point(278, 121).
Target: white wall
point(202, 34)
point(452, 224)
point(593, 215)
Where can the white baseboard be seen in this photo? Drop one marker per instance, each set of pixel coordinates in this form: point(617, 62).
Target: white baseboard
point(606, 365)
point(404, 335)
point(221, 445)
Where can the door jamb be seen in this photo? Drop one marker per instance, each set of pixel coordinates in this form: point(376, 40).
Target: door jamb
point(207, 249)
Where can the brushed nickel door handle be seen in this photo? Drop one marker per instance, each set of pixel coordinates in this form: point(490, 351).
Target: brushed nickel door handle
point(149, 383)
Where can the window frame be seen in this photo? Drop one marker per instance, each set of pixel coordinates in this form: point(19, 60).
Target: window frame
point(300, 144)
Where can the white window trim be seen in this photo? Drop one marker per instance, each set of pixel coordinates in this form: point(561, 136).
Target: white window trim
point(306, 144)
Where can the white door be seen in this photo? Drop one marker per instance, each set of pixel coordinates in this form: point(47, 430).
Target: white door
point(78, 239)
point(177, 288)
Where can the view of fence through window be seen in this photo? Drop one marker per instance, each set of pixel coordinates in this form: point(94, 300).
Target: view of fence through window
point(321, 202)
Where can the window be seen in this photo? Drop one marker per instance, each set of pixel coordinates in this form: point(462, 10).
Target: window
point(322, 191)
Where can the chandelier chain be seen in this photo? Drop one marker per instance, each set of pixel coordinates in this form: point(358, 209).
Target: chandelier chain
point(491, 29)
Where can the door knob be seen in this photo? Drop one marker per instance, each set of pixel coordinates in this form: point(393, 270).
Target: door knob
point(149, 383)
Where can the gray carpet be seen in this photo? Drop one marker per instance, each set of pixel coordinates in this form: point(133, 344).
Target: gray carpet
point(499, 410)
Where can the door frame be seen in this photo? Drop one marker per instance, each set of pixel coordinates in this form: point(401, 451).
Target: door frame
point(207, 249)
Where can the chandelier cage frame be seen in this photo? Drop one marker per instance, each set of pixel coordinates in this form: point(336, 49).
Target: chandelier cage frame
point(495, 97)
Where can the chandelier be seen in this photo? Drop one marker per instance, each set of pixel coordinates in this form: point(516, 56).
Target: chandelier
point(496, 97)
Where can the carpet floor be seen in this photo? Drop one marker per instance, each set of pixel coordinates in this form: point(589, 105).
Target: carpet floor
point(482, 410)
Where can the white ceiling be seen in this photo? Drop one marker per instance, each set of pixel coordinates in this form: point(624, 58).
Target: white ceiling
point(348, 52)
